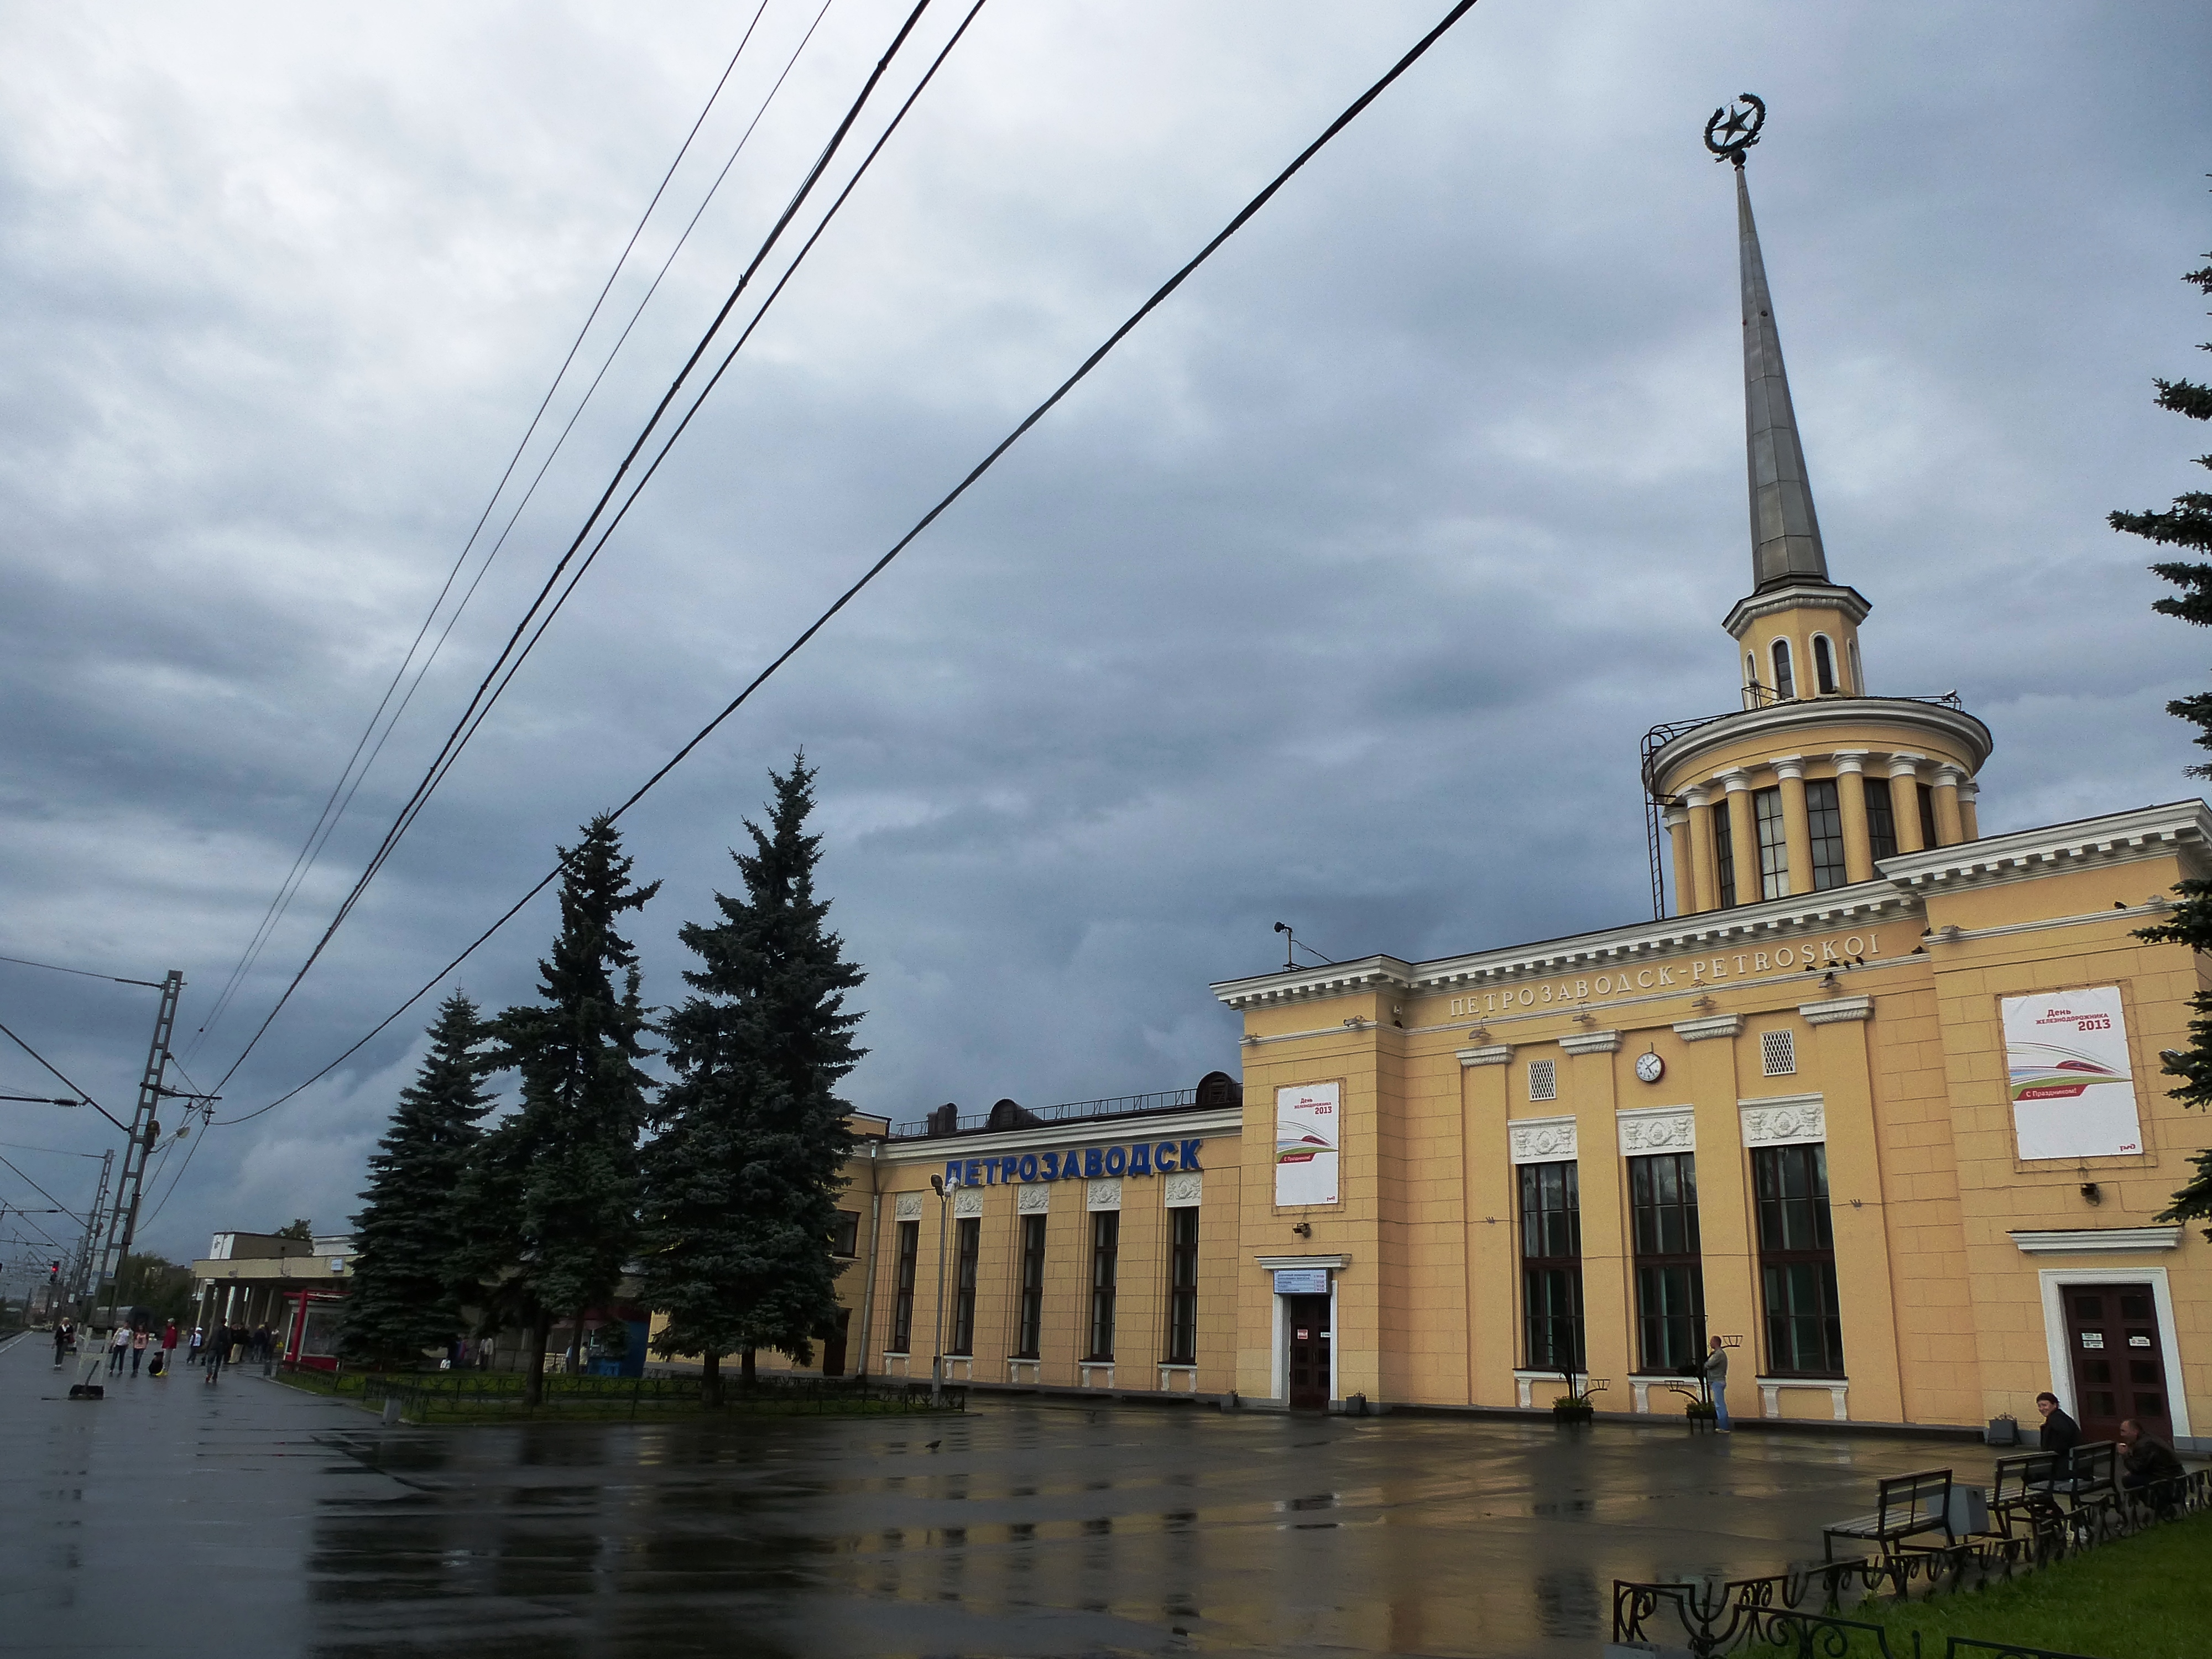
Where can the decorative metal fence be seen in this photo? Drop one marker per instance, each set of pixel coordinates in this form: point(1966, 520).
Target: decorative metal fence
point(1800, 1610)
point(491, 1396)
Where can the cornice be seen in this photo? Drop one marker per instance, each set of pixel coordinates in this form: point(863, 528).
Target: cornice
point(1791, 725)
point(1591, 1043)
point(1792, 596)
point(2117, 838)
point(1304, 984)
point(2091, 1241)
point(1137, 1126)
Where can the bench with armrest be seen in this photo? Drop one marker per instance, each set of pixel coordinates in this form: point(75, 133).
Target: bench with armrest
point(2021, 1491)
point(2091, 1476)
point(1907, 1507)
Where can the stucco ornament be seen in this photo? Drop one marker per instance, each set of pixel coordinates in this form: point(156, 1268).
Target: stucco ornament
point(1542, 1139)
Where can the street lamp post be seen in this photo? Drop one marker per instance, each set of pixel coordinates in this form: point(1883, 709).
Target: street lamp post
point(937, 1361)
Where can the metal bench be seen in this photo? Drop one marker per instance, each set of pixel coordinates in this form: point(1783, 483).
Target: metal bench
point(1907, 1507)
point(2022, 1494)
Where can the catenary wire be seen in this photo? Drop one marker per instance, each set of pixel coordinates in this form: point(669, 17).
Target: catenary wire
point(1414, 55)
point(80, 1094)
point(334, 807)
point(759, 315)
point(59, 1151)
point(117, 978)
point(422, 790)
point(72, 1214)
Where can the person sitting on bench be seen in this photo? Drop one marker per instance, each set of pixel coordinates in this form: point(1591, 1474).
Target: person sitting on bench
point(2146, 1459)
point(2061, 1434)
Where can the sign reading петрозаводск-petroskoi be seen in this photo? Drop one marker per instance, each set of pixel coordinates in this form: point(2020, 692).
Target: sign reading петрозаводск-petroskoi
point(2066, 1069)
point(1307, 1142)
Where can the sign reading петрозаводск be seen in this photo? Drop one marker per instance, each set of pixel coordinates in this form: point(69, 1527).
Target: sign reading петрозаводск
point(2067, 1071)
point(1308, 1140)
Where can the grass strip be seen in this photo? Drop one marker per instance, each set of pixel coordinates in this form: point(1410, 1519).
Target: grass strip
point(2143, 1597)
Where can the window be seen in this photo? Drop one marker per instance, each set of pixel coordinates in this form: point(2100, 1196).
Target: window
point(1881, 823)
point(846, 1241)
point(1773, 843)
point(909, 1252)
point(1777, 1054)
point(968, 1245)
point(1670, 1277)
point(1785, 682)
point(1105, 1252)
point(1927, 813)
point(1027, 1340)
point(1724, 852)
point(1543, 1079)
point(1824, 817)
point(1551, 1266)
point(1797, 1262)
point(1824, 664)
point(1858, 679)
point(1751, 679)
point(1182, 1286)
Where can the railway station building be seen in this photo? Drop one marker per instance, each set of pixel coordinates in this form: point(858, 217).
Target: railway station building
point(1875, 1099)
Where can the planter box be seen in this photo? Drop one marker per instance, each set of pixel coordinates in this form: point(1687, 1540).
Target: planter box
point(1572, 1413)
point(2001, 1432)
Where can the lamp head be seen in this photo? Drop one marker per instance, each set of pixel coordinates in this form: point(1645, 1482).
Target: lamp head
point(937, 1185)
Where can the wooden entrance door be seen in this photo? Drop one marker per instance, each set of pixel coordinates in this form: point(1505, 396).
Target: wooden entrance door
point(1308, 1385)
point(833, 1345)
point(2119, 1366)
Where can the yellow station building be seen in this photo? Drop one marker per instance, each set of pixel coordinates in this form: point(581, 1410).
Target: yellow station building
point(1879, 1104)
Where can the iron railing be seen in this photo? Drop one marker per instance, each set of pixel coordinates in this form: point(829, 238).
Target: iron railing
point(1801, 1610)
point(1166, 1100)
point(1755, 697)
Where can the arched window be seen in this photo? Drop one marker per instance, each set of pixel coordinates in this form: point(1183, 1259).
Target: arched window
point(1785, 682)
point(1858, 679)
point(1824, 665)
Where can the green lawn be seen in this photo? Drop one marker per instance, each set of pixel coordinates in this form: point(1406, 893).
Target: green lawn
point(2144, 1597)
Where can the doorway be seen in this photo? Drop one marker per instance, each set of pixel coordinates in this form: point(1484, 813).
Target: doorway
point(833, 1345)
point(1306, 1387)
point(2119, 1363)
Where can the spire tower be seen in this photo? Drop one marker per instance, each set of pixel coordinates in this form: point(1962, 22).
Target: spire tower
point(1785, 534)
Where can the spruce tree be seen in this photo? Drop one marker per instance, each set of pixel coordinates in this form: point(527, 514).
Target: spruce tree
point(555, 1190)
point(2187, 524)
point(403, 1297)
point(743, 1177)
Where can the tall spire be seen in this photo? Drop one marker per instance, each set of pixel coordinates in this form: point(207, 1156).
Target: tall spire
point(1785, 536)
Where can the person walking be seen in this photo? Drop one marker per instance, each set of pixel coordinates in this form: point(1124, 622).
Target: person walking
point(140, 1339)
point(1716, 1370)
point(218, 1340)
point(61, 1342)
point(169, 1345)
point(117, 1348)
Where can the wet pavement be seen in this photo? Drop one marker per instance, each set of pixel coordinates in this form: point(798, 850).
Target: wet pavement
point(252, 1519)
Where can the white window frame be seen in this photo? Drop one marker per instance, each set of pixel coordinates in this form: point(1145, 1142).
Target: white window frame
point(1785, 666)
point(1549, 1070)
point(1858, 678)
point(1835, 667)
point(1788, 1040)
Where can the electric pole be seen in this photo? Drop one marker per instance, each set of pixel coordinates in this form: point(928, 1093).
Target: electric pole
point(79, 1289)
point(145, 1131)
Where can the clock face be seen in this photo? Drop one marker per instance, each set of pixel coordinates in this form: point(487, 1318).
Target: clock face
point(1650, 1068)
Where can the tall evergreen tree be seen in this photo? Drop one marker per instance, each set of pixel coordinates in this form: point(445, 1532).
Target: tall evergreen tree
point(2187, 524)
point(403, 1297)
point(743, 1178)
point(554, 1195)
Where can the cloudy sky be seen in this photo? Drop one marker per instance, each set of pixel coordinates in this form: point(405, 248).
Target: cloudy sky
point(1340, 595)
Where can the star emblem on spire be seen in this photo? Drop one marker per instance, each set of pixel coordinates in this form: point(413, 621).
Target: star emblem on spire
point(1733, 131)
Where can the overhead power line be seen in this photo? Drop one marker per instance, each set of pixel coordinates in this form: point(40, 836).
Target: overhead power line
point(342, 792)
point(440, 763)
point(81, 973)
point(49, 1066)
point(1157, 297)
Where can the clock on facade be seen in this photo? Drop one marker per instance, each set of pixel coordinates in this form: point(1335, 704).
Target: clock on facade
point(1650, 1068)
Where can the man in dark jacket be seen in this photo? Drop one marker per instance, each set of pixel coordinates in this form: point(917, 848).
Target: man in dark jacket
point(2146, 1459)
point(2061, 1434)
